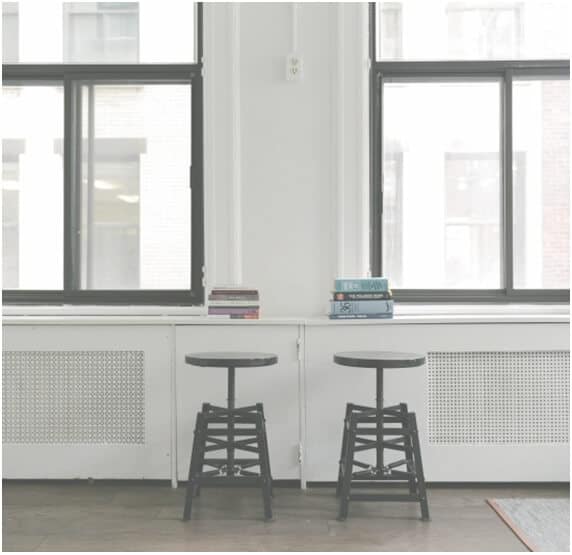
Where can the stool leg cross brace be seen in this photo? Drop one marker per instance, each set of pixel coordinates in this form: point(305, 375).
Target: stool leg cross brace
point(394, 428)
point(229, 429)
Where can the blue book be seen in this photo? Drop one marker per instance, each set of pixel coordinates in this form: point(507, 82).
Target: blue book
point(361, 307)
point(360, 316)
point(351, 285)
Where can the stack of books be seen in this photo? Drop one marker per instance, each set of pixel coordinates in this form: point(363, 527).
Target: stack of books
point(237, 302)
point(361, 298)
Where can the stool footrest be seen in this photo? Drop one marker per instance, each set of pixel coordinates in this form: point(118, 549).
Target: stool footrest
point(374, 475)
point(365, 418)
point(383, 497)
point(231, 445)
point(237, 461)
point(373, 431)
point(222, 432)
point(392, 428)
point(236, 410)
point(374, 444)
point(235, 432)
point(379, 480)
point(238, 481)
point(242, 444)
point(238, 419)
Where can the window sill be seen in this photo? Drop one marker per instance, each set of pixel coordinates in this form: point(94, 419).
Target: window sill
point(101, 310)
point(478, 309)
point(405, 313)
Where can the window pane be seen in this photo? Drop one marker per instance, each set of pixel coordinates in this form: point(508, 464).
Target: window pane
point(32, 187)
point(441, 217)
point(135, 207)
point(9, 32)
point(147, 31)
point(103, 32)
point(390, 31)
point(541, 183)
point(473, 29)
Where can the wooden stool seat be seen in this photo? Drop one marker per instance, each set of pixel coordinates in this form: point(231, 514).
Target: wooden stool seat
point(379, 359)
point(231, 359)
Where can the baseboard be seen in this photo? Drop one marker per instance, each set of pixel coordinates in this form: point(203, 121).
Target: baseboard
point(447, 484)
point(298, 484)
point(276, 483)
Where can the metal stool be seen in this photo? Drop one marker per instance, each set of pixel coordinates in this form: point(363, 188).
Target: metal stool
point(394, 428)
point(229, 429)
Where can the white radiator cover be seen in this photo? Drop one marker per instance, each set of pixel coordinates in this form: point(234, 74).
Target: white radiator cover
point(118, 401)
point(86, 402)
point(73, 397)
point(498, 397)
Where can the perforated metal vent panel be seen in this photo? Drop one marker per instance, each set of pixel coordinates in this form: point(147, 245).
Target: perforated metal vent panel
point(498, 397)
point(57, 397)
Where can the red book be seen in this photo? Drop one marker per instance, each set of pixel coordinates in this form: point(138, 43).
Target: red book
point(232, 310)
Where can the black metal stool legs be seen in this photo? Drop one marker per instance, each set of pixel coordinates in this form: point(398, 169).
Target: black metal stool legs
point(408, 452)
point(260, 409)
point(391, 428)
point(229, 429)
point(379, 407)
point(200, 452)
point(421, 492)
point(349, 408)
point(264, 468)
point(346, 468)
point(194, 467)
point(230, 405)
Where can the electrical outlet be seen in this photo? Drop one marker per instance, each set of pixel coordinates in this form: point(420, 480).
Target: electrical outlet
point(294, 67)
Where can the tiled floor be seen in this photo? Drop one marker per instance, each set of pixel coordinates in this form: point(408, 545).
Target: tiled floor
point(78, 516)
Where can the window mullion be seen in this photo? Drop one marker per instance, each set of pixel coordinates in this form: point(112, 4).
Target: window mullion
point(376, 169)
point(69, 174)
point(507, 261)
point(87, 203)
point(72, 182)
point(197, 197)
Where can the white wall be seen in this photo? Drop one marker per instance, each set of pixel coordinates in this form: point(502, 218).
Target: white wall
point(286, 162)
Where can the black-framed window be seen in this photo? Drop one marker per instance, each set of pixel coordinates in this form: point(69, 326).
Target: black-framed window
point(470, 152)
point(103, 169)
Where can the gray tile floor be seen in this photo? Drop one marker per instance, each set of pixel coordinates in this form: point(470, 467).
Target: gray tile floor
point(78, 516)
